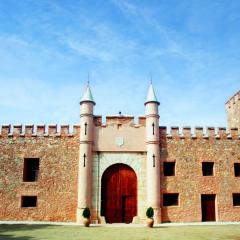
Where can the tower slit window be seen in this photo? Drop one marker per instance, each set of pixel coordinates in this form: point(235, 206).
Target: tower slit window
point(85, 128)
point(84, 160)
point(153, 125)
point(153, 156)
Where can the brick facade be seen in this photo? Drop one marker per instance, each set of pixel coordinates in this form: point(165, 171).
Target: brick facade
point(189, 151)
point(56, 187)
point(58, 152)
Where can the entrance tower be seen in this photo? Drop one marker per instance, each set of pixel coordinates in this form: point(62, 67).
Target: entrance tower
point(153, 153)
point(85, 154)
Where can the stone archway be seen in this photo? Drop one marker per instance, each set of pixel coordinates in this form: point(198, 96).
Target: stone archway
point(119, 194)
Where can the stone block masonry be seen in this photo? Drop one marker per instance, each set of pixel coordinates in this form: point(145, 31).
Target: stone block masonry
point(48, 173)
point(188, 152)
point(56, 186)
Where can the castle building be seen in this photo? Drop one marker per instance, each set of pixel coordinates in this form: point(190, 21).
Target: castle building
point(120, 168)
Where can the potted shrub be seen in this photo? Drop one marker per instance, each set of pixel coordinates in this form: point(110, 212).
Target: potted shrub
point(86, 216)
point(149, 214)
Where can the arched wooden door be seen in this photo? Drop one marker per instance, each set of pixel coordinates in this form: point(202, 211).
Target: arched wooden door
point(119, 194)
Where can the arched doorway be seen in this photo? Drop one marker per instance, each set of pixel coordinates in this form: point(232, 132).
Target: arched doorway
point(119, 194)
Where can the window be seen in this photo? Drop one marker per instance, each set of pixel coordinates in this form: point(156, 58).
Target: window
point(237, 169)
point(169, 168)
point(29, 201)
point(30, 169)
point(170, 199)
point(207, 168)
point(236, 199)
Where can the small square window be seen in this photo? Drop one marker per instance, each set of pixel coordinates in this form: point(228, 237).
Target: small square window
point(30, 169)
point(29, 201)
point(236, 199)
point(207, 168)
point(169, 168)
point(170, 199)
point(237, 169)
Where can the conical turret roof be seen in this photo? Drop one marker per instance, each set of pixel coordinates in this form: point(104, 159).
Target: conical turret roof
point(87, 95)
point(151, 96)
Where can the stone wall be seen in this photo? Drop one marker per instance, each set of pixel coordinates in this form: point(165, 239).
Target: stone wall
point(189, 151)
point(56, 187)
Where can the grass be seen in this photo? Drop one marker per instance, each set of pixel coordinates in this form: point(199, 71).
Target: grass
point(37, 232)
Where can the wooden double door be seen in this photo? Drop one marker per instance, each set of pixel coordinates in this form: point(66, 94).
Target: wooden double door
point(119, 194)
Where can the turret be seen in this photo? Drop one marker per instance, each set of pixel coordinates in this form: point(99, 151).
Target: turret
point(233, 111)
point(85, 152)
point(153, 153)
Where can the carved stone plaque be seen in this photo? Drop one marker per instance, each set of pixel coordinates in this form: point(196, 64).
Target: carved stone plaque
point(119, 141)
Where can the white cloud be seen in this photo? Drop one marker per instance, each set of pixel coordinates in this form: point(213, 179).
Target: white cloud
point(126, 7)
point(65, 42)
point(90, 51)
point(36, 101)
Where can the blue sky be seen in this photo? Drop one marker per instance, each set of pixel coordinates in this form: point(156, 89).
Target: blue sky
point(47, 47)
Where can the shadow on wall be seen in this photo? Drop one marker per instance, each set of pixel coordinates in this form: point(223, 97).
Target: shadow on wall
point(7, 231)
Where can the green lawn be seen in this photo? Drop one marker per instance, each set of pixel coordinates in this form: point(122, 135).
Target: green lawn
point(31, 232)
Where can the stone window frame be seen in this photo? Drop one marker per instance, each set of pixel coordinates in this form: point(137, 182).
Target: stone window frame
point(23, 170)
point(172, 193)
point(213, 169)
point(28, 195)
point(236, 194)
point(165, 162)
point(234, 169)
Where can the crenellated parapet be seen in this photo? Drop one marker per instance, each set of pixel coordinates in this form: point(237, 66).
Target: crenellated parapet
point(198, 133)
point(54, 130)
point(39, 130)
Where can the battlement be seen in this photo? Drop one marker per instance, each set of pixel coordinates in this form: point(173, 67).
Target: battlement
point(174, 132)
point(30, 130)
point(198, 133)
point(234, 99)
point(120, 120)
